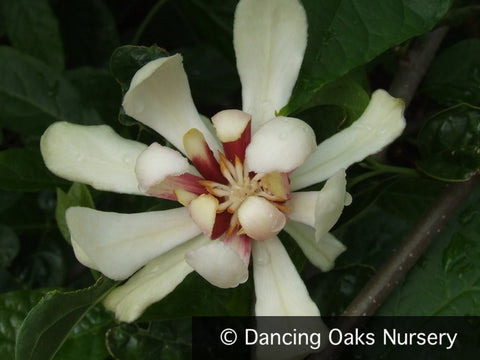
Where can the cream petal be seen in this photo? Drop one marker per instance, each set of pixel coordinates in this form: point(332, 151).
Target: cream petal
point(281, 144)
point(219, 264)
point(159, 171)
point(381, 123)
point(203, 211)
point(279, 289)
point(320, 209)
point(321, 253)
point(230, 124)
point(93, 155)
point(159, 97)
point(119, 244)
point(152, 283)
point(269, 38)
point(259, 218)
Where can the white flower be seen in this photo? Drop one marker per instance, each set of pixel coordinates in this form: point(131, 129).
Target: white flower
point(237, 188)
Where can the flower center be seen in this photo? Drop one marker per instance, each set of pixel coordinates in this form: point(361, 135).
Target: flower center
point(241, 184)
point(232, 199)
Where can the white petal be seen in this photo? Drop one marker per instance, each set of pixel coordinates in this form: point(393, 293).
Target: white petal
point(282, 144)
point(158, 169)
point(260, 219)
point(219, 264)
point(203, 211)
point(321, 253)
point(159, 97)
point(270, 37)
point(152, 283)
point(279, 289)
point(119, 244)
point(379, 125)
point(320, 209)
point(158, 162)
point(93, 155)
point(230, 124)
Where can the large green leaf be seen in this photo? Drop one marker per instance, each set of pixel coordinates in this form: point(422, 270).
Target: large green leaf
point(348, 33)
point(50, 322)
point(344, 93)
point(14, 307)
point(89, 31)
point(161, 340)
point(87, 339)
point(454, 76)
point(22, 169)
point(33, 28)
point(213, 19)
point(449, 144)
point(196, 297)
point(99, 90)
point(33, 96)
point(212, 78)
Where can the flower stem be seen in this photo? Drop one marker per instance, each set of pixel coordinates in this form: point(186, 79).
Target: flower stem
point(377, 169)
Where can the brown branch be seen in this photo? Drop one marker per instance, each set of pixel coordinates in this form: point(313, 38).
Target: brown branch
point(412, 69)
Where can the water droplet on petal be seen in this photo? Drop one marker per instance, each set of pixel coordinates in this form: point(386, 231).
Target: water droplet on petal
point(127, 159)
point(80, 157)
point(261, 257)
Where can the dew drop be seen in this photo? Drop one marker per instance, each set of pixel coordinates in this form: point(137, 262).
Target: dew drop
point(127, 159)
point(282, 136)
point(80, 157)
point(263, 259)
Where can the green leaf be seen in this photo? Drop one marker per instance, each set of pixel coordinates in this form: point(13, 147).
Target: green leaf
point(78, 195)
point(89, 31)
point(23, 170)
point(48, 264)
point(87, 339)
point(161, 340)
point(212, 78)
point(50, 322)
point(33, 96)
point(14, 307)
point(98, 90)
point(454, 75)
point(449, 144)
point(343, 35)
point(344, 93)
point(196, 297)
point(9, 245)
point(325, 120)
point(214, 21)
point(126, 60)
point(33, 28)
point(451, 269)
